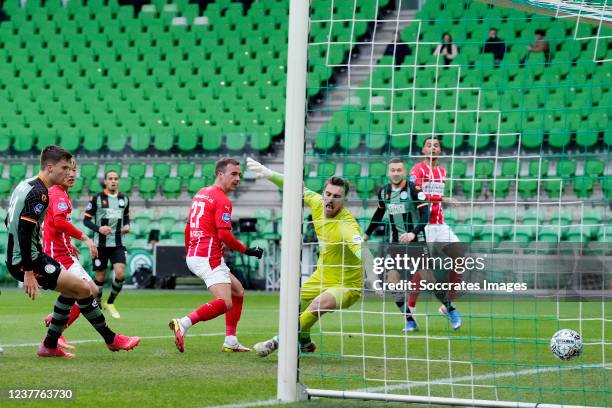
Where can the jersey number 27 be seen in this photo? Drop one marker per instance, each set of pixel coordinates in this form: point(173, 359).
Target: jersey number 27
point(194, 221)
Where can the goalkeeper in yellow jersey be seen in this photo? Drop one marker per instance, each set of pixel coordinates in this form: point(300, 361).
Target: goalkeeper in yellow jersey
point(337, 281)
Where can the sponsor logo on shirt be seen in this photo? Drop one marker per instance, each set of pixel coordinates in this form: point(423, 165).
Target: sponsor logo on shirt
point(62, 206)
point(434, 188)
point(205, 197)
point(226, 217)
point(395, 209)
point(39, 208)
point(404, 195)
point(114, 213)
point(357, 239)
point(121, 202)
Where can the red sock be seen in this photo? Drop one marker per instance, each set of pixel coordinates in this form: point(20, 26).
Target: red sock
point(454, 278)
point(414, 294)
point(208, 311)
point(233, 316)
point(74, 313)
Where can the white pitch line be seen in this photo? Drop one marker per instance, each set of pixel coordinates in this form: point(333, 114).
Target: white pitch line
point(471, 378)
point(248, 404)
point(99, 340)
point(444, 381)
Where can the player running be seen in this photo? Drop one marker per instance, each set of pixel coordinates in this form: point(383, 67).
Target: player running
point(430, 177)
point(208, 232)
point(28, 264)
point(408, 217)
point(337, 281)
point(57, 234)
point(108, 216)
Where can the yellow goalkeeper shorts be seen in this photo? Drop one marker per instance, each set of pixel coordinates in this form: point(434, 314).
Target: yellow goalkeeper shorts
point(345, 297)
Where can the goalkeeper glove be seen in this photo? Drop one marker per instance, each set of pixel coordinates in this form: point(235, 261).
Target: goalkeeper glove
point(254, 251)
point(259, 169)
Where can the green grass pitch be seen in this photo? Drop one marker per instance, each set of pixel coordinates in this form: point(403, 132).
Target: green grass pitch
point(502, 349)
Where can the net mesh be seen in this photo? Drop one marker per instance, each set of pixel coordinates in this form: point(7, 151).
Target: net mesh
point(526, 144)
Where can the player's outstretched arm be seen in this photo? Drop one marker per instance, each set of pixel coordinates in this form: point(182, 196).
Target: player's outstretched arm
point(262, 171)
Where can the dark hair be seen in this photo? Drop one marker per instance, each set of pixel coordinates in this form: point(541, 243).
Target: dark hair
point(109, 172)
point(53, 154)
point(430, 138)
point(541, 32)
point(396, 160)
point(340, 182)
point(445, 34)
point(222, 163)
point(493, 29)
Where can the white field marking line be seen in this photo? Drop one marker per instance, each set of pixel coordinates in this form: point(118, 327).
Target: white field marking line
point(444, 381)
point(471, 378)
point(248, 404)
point(100, 340)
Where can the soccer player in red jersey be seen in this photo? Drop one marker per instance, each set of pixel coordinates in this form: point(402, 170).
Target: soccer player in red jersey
point(57, 234)
point(430, 177)
point(207, 234)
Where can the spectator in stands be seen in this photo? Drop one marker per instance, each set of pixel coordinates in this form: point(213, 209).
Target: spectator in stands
point(494, 45)
point(540, 44)
point(398, 49)
point(447, 49)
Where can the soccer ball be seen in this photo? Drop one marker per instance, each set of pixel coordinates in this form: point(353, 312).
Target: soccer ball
point(566, 344)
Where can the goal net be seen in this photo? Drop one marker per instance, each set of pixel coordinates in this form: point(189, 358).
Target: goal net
point(523, 123)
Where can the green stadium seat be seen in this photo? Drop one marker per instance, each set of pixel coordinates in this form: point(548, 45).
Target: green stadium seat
point(566, 168)
point(538, 168)
point(94, 186)
point(484, 168)
point(365, 187)
point(161, 171)
point(471, 188)
point(583, 186)
point(594, 167)
point(195, 184)
point(326, 169)
point(116, 167)
point(137, 171)
point(171, 187)
point(314, 184)
point(185, 171)
point(554, 187)
point(5, 187)
point(592, 220)
point(18, 171)
point(187, 139)
point(125, 185)
point(147, 187)
point(351, 170)
point(88, 171)
point(606, 187)
point(502, 188)
point(527, 188)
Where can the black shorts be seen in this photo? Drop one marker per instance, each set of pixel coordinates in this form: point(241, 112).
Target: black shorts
point(412, 250)
point(46, 270)
point(113, 254)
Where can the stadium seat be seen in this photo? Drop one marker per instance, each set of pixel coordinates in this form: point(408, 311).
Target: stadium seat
point(195, 184)
point(566, 168)
point(185, 171)
point(125, 185)
point(137, 171)
point(18, 171)
point(326, 169)
point(161, 171)
point(171, 187)
point(314, 184)
point(88, 171)
point(365, 187)
point(147, 187)
point(583, 186)
point(594, 167)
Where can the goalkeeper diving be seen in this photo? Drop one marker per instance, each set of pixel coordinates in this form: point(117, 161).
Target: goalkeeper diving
point(337, 281)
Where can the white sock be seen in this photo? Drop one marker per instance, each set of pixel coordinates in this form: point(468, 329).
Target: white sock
point(185, 324)
point(231, 340)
